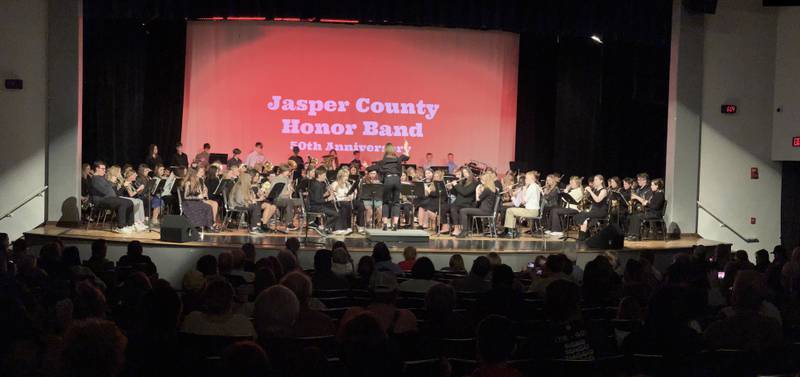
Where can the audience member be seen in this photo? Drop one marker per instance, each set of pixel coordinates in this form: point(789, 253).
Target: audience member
point(476, 280)
point(392, 319)
point(441, 319)
point(323, 277)
point(421, 277)
point(98, 262)
point(89, 302)
point(366, 350)
point(383, 259)
point(775, 270)
point(238, 268)
point(249, 262)
point(762, 261)
point(495, 345)
point(365, 270)
point(666, 329)
point(276, 312)
point(136, 259)
point(293, 246)
point(791, 274)
point(288, 262)
point(342, 262)
point(502, 299)
point(566, 336)
point(600, 282)
point(207, 265)
point(455, 265)
point(409, 257)
point(309, 322)
point(553, 270)
point(217, 317)
point(244, 359)
point(93, 348)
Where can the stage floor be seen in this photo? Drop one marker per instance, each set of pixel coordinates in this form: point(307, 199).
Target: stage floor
point(358, 243)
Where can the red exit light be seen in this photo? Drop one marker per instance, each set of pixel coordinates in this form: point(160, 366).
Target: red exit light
point(796, 141)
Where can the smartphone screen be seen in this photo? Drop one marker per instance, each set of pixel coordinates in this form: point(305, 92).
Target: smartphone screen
point(721, 275)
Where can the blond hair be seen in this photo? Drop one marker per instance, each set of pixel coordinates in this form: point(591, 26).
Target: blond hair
point(388, 150)
point(488, 179)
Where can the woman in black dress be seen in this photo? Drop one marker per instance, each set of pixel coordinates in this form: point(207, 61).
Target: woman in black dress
point(464, 190)
point(598, 195)
point(390, 167)
point(194, 207)
point(486, 196)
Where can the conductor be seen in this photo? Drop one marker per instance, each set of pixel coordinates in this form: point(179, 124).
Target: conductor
point(390, 167)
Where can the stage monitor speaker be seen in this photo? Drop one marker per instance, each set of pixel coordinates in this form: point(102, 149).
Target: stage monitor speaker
point(610, 237)
point(177, 229)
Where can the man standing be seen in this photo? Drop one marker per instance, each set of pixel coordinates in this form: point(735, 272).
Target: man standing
point(428, 161)
point(235, 160)
point(256, 156)
point(180, 158)
point(201, 159)
point(104, 196)
point(356, 160)
point(451, 164)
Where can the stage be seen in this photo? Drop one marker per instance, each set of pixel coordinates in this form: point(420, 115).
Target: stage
point(174, 259)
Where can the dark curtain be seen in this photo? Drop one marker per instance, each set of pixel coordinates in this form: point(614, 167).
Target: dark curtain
point(585, 108)
point(790, 204)
point(133, 88)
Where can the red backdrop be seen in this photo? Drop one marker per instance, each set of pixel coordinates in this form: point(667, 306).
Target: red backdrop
point(457, 87)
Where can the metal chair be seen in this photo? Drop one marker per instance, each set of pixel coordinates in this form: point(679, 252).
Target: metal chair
point(307, 213)
point(492, 219)
point(231, 210)
point(535, 223)
point(650, 224)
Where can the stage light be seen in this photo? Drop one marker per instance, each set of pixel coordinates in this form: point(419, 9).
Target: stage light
point(597, 39)
point(211, 18)
point(287, 19)
point(247, 18)
point(337, 21)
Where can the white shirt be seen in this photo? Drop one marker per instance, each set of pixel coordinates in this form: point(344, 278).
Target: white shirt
point(532, 196)
point(254, 158)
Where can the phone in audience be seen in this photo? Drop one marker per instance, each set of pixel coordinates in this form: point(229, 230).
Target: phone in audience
point(721, 275)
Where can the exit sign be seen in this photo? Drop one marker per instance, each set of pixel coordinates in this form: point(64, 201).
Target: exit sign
point(796, 141)
point(728, 109)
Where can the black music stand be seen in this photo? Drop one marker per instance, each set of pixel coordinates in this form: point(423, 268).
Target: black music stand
point(372, 192)
point(271, 197)
point(441, 192)
point(221, 157)
point(570, 200)
point(150, 189)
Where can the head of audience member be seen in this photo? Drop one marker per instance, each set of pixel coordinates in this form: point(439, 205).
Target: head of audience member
point(554, 264)
point(249, 251)
point(264, 279)
point(237, 259)
point(502, 277)
point(749, 291)
point(218, 297)
point(380, 253)
point(300, 285)
point(634, 272)
point(194, 281)
point(276, 310)
point(366, 267)
point(49, 253)
point(225, 262)
point(89, 302)
point(629, 309)
point(340, 255)
point(71, 256)
point(456, 263)
point(668, 310)
point(99, 249)
point(410, 253)
point(207, 265)
point(288, 261)
point(162, 309)
point(244, 359)
point(779, 254)
point(762, 257)
point(494, 259)
point(741, 257)
point(423, 269)
point(481, 267)
point(384, 287)
point(135, 249)
point(93, 348)
point(496, 340)
point(293, 245)
point(366, 350)
point(323, 260)
point(272, 263)
point(440, 301)
point(562, 300)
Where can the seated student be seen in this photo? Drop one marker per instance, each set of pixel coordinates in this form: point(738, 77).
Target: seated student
point(195, 207)
point(565, 336)
point(495, 345)
point(320, 200)
point(652, 209)
point(103, 195)
point(285, 200)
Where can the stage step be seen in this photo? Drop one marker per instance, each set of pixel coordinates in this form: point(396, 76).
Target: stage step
point(401, 235)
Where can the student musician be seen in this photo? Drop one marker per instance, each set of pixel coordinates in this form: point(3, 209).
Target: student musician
point(202, 158)
point(194, 205)
point(299, 163)
point(652, 209)
point(575, 190)
point(550, 192)
point(201, 176)
point(153, 158)
point(598, 195)
point(372, 209)
point(235, 160)
point(464, 191)
point(391, 167)
point(527, 205)
point(429, 204)
point(341, 187)
point(485, 196)
point(406, 206)
point(642, 193)
point(618, 203)
point(179, 158)
point(131, 191)
point(320, 200)
point(103, 194)
point(285, 199)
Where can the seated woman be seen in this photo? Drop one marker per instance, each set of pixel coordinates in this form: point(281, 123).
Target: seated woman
point(431, 204)
point(344, 200)
point(464, 191)
point(372, 208)
point(598, 196)
point(652, 209)
point(201, 175)
point(194, 207)
point(485, 196)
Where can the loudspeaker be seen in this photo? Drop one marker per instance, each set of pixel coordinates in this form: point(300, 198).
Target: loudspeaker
point(610, 237)
point(177, 229)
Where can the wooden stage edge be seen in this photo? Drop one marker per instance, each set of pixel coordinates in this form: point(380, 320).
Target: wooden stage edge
point(358, 243)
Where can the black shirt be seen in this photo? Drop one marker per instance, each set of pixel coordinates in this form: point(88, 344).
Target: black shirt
point(656, 204)
point(153, 161)
point(486, 200)
point(316, 193)
point(602, 205)
point(234, 161)
point(180, 160)
point(465, 194)
point(389, 165)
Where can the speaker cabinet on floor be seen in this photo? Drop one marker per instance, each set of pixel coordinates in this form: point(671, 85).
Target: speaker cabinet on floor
point(177, 229)
point(610, 237)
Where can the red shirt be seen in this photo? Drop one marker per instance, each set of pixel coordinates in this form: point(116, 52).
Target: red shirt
point(406, 265)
